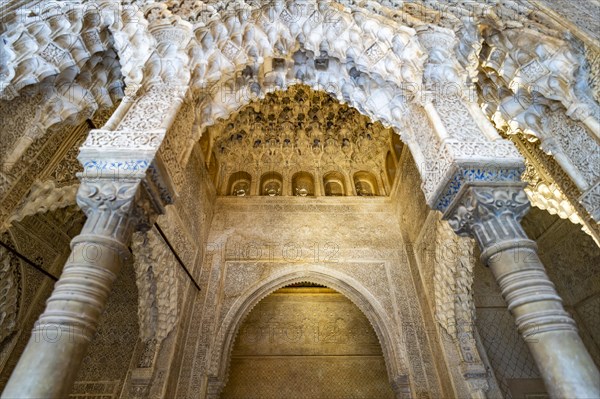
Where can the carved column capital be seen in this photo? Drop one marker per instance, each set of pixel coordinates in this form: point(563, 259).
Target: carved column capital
point(108, 205)
point(115, 196)
point(491, 215)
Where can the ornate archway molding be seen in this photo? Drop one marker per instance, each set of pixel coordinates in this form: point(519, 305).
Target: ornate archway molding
point(390, 341)
point(377, 75)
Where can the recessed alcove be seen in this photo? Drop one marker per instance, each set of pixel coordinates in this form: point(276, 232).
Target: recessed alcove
point(303, 184)
point(365, 184)
point(334, 184)
point(239, 184)
point(271, 184)
point(307, 340)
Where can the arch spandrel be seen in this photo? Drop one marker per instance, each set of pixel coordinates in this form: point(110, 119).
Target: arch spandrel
point(347, 284)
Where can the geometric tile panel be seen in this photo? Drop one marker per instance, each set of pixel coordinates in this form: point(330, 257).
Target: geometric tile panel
point(508, 353)
point(590, 313)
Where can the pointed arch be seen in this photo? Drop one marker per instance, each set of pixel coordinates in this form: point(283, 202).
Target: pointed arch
point(389, 339)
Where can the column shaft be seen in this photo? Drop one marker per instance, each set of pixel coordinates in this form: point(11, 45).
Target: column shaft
point(491, 215)
point(549, 331)
point(50, 362)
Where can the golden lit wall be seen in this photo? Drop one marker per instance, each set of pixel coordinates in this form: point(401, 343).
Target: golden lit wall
point(311, 342)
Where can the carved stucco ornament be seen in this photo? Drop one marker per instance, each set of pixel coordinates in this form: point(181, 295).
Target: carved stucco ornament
point(273, 58)
point(454, 305)
point(44, 197)
point(10, 293)
point(156, 279)
point(298, 130)
point(538, 88)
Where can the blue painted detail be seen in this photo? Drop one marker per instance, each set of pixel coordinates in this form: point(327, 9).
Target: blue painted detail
point(114, 170)
point(474, 175)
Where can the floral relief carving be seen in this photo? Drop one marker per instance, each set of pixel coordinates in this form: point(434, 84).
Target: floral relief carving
point(459, 122)
point(130, 140)
point(577, 144)
point(149, 111)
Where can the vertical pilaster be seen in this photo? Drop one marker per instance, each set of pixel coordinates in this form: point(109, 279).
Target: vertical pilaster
point(318, 183)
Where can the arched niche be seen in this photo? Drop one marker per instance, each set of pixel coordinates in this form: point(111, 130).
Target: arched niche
point(239, 184)
point(307, 338)
point(389, 338)
point(303, 184)
point(334, 184)
point(365, 184)
point(271, 184)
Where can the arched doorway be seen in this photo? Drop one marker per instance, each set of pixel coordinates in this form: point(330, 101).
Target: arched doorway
point(310, 340)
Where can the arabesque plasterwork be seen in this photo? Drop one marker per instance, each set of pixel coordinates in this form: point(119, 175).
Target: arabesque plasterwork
point(235, 74)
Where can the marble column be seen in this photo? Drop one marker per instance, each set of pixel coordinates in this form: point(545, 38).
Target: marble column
point(491, 214)
point(49, 365)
